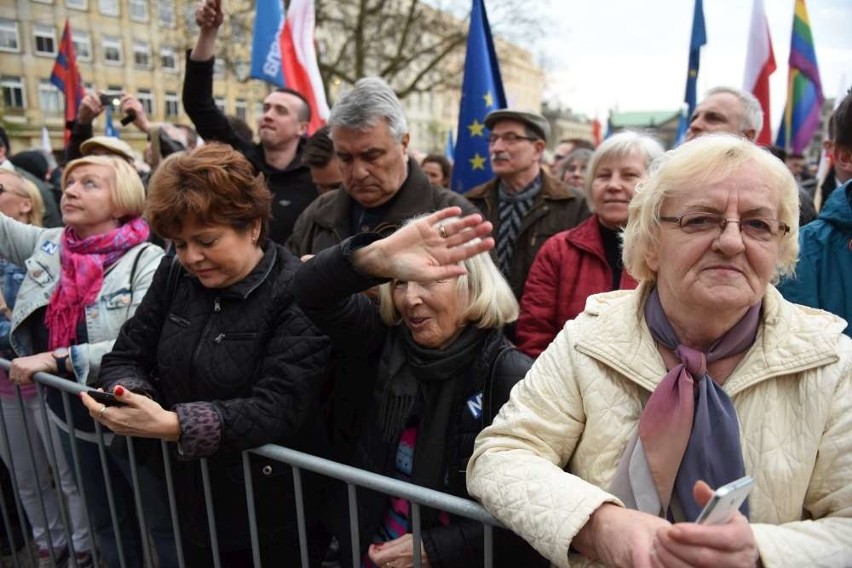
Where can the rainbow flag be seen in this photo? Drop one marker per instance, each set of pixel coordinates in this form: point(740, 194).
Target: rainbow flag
point(804, 89)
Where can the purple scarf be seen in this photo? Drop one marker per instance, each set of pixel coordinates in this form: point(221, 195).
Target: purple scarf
point(688, 429)
point(82, 262)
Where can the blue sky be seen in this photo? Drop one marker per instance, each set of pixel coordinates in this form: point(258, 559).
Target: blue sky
point(632, 55)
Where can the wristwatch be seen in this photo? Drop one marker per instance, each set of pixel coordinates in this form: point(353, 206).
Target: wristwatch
point(60, 354)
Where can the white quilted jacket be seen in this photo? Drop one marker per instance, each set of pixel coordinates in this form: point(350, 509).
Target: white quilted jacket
point(580, 403)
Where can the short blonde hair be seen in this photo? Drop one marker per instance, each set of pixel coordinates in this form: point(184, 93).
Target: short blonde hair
point(25, 186)
point(706, 159)
point(621, 145)
point(128, 193)
point(490, 302)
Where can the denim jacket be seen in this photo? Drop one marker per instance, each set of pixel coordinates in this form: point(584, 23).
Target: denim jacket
point(125, 283)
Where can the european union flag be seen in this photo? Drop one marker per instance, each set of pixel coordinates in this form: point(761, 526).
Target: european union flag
point(699, 38)
point(482, 92)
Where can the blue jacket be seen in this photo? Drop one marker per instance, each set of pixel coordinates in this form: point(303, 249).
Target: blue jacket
point(824, 271)
point(11, 276)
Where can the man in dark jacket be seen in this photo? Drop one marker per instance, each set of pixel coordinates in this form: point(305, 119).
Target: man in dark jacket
point(525, 204)
point(282, 127)
point(382, 187)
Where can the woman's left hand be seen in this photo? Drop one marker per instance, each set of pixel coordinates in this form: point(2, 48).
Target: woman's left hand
point(22, 369)
point(688, 544)
point(398, 553)
point(141, 417)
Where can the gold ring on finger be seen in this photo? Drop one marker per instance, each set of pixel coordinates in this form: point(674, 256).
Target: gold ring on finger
point(102, 410)
point(443, 230)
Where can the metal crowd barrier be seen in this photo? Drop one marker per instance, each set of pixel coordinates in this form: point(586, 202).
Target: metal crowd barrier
point(299, 461)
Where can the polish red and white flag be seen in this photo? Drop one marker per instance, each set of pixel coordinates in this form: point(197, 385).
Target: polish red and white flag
point(760, 64)
point(299, 59)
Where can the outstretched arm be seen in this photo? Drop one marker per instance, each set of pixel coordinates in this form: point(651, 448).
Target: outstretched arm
point(428, 249)
point(208, 16)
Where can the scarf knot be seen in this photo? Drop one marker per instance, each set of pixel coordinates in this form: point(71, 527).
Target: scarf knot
point(688, 429)
point(82, 264)
point(693, 361)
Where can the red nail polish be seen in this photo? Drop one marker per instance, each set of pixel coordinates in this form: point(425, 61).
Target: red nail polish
point(80, 394)
point(119, 391)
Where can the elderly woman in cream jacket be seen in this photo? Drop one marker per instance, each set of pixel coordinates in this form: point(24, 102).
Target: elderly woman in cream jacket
point(608, 449)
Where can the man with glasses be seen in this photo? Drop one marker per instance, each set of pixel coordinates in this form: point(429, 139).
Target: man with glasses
point(525, 203)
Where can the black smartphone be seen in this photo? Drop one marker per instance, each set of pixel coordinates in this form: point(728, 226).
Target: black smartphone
point(106, 398)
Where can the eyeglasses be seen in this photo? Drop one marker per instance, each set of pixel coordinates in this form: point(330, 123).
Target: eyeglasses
point(757, 228)
point(4, 189)
point(509, 138)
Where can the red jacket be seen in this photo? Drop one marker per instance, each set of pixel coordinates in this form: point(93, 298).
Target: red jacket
point(570, 267)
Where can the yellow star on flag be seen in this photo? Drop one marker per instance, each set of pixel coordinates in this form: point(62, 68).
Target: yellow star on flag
point(477, 162)
point(476, 128)
point(489, 100)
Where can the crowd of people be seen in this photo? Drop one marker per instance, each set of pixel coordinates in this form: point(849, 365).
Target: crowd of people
point(588, 344)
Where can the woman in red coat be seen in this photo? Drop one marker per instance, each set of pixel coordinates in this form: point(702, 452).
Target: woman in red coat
point(574, 264)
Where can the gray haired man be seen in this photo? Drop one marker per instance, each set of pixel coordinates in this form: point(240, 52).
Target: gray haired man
point(382, 186)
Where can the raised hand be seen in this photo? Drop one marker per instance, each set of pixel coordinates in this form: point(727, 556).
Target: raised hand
point(427, 249)
point(90, 108)
point(208, 14)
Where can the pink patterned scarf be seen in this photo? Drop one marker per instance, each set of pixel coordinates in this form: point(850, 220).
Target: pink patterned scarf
point(82, 275)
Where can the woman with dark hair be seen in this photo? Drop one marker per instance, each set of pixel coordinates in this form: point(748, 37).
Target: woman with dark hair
point(219, 358)
point(438, 169)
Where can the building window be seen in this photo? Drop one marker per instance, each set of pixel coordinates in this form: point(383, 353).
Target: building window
point(139, 10)
point(45, 40)
point(112, 50)
point(77, 4)
point(166, 13)
point(108, 7)
point(146, 99)
point(168, 59)
point(49, 97)
point(13, 91)
point(220, 104)
point(82, 45)
point(218, 68)
point(189, 16)
point(141, 55)
point(241, 109)
point(9, 40)
point(172, 104)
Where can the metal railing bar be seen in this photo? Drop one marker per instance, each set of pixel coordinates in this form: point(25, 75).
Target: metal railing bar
point(369, 480)
point(300, 516)
point(7, 523)
point(19, 509)
point(170, 489)
point(252, 513)
point(137, 496)
point(353, 524)
point(109, 491)
point(211, 515)
point(78, 472)
point(489, 546)
point(416, 533)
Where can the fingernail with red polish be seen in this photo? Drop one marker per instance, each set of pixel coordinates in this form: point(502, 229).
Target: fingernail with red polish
point(80, 394)
point(119, 391)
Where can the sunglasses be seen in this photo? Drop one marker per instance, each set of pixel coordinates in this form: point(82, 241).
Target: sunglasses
point(4, 189)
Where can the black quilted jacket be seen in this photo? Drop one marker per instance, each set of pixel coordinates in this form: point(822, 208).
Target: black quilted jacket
point(242, 367)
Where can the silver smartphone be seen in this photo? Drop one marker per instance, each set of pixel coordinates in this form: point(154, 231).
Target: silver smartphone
point(725, 502)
